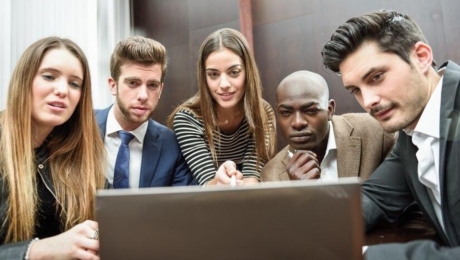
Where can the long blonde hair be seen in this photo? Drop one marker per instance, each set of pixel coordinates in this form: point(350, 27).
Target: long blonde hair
point(258, 113)
point(76, 151)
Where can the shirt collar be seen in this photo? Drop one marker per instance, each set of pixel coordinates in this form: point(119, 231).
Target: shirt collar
point(331, 144)
point(113, 127)
point(430, 114)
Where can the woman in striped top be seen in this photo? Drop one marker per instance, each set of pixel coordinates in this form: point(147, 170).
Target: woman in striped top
point(227, 128)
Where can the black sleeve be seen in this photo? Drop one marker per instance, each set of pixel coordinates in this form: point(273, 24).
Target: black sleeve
point(386, 193)
point(14, 251)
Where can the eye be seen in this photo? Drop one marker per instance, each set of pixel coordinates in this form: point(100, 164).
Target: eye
point(377, 77)
point(75, 84)
point(48, 77)
point(132, 83)
point(213, 75)
point(154, 85)
point(312, 111)
point(284, 113)
point(235, 73)
point(354, 91)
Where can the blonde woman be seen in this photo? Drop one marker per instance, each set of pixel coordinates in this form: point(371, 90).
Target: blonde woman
point(226, 129)
point(51, 156)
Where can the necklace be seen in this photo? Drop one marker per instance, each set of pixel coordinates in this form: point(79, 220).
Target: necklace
point(230, 119)
point(227, 120)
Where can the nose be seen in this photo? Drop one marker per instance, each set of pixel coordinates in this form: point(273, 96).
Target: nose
point(61, 88)
point(142, 95)
point(298, 122)
point(224, 82)
point(369, 98)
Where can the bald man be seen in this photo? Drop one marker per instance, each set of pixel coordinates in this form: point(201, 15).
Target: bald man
point(321, 145)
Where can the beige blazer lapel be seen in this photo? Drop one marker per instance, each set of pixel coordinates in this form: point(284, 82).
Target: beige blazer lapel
point(348, 148)
point(284, 176)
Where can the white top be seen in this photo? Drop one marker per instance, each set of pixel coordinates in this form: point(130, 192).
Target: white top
point(426, 137)
point(112, 142)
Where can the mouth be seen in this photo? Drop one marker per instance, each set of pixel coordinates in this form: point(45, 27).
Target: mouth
point(140, 110)
point(300, 138)
point(383, 114)
point(57, 105)
point(226, 95)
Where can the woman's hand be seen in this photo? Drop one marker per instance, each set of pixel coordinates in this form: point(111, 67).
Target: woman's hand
point(224, 175)
point(76, 243)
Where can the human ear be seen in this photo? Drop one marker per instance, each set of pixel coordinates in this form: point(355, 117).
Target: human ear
point(113, 86)
point(161, 90)
point(423, 56)
point(331, 109)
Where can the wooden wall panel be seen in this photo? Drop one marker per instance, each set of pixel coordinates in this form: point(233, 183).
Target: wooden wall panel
point(164, 21)
point(181, 26)
point(278, 55)
point(287, 36)
point(211, 13)
point(451, 24)
point(269, 11)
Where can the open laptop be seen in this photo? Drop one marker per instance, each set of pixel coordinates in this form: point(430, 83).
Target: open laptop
point(280, 220)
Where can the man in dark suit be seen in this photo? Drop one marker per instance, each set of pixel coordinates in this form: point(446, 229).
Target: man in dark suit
point(385, 61)
point(150, 156)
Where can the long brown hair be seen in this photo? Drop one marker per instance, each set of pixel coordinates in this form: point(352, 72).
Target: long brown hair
point(258, 112)
point(76, 151)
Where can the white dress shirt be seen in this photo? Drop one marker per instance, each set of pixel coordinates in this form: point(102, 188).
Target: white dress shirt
point(112, 142)
point(329, 164)
point(426, 137)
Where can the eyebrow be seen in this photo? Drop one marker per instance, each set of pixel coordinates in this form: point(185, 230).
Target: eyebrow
point(369, 72)
point(366, 75)
point(137, 79)
point(131, 79)
point(304, 105)
point(230, 68)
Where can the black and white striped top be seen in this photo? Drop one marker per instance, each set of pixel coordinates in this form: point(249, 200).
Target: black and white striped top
point(238, 147)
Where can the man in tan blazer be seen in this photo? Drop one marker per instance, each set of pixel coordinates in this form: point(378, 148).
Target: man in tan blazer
point(321, 145)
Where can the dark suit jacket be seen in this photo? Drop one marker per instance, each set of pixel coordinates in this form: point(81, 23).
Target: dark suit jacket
point(395, 185)
point(362, 145)
point(162, 161)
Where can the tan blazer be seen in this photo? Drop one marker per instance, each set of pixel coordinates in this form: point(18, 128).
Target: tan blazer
point(362, 145)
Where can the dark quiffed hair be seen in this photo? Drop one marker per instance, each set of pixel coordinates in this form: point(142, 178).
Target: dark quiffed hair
point(393, 32)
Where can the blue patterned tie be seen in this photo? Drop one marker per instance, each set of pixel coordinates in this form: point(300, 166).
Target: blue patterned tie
point(121, 172)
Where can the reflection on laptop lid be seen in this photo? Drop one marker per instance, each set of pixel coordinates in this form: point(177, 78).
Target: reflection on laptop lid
point(281, 220)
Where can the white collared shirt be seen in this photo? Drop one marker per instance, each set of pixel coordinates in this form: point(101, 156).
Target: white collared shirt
point(426, 137)
point(112, 142)
point(329, 163)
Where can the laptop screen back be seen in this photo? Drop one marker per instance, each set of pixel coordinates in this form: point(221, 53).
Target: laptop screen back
point(285, 220)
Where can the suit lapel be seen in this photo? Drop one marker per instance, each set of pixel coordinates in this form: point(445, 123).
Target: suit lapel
point(348, 148)
point(449, 151)
point(149, 163)
point(101, 117)
point(284, 176)
point(411, 164)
